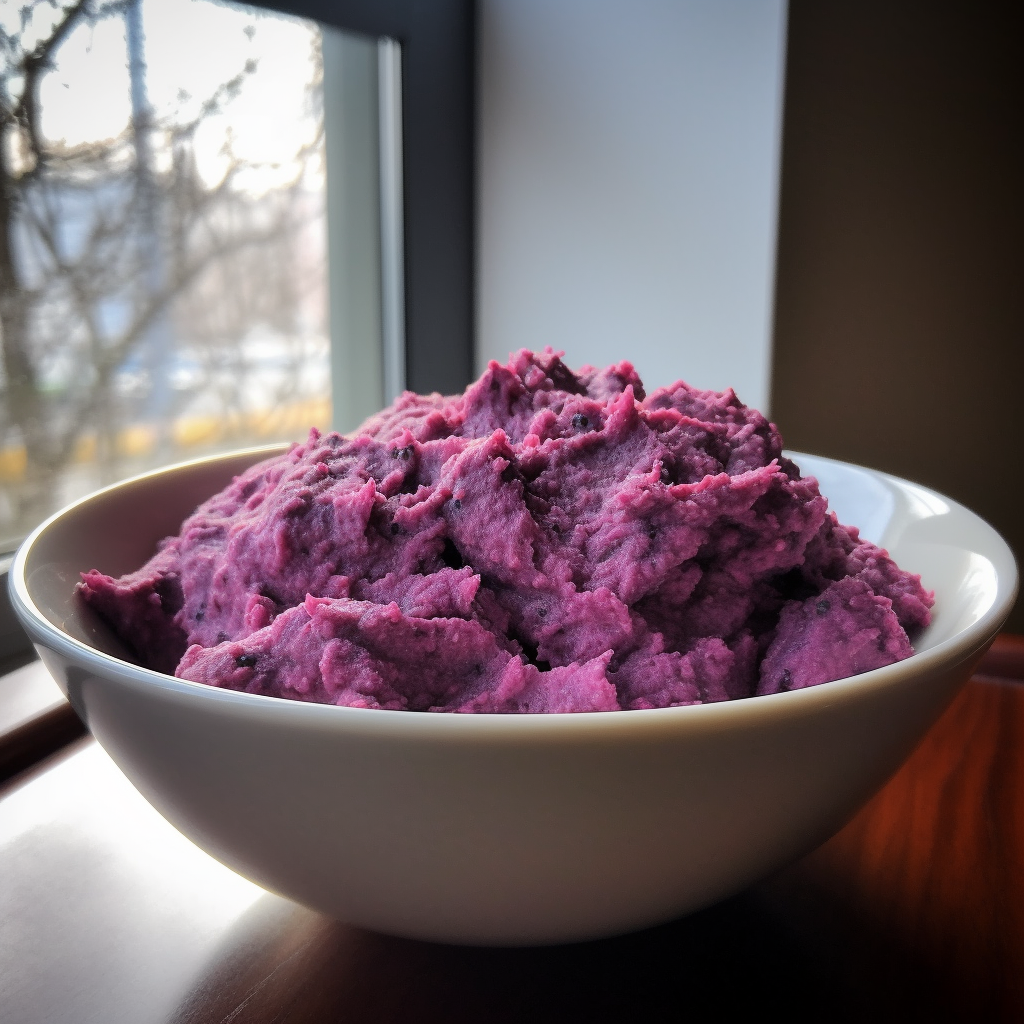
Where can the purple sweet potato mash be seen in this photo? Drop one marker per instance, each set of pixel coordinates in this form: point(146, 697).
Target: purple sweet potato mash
point(547, 541)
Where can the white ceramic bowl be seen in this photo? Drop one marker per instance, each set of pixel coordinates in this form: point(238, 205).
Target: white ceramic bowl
point(507, 829)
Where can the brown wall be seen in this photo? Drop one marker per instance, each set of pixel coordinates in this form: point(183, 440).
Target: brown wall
point(899, 322)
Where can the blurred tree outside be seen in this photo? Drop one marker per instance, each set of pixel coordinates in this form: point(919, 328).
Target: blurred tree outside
point(150, 308)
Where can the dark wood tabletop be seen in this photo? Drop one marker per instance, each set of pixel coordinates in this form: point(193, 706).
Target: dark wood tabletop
point(915, 911)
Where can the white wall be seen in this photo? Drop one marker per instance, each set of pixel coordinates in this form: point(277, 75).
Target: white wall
point(628, 181)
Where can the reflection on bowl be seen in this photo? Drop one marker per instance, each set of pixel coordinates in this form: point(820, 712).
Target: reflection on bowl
point(507, 829)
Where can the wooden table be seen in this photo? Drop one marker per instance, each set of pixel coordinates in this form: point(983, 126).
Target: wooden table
point(915, 911)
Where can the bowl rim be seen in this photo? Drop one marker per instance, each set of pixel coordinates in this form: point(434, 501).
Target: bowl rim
point(963, 645)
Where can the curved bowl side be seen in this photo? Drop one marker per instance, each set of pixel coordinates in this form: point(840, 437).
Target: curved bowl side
point(505, 829)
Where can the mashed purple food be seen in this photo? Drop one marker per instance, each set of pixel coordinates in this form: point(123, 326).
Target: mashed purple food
point(545, 542)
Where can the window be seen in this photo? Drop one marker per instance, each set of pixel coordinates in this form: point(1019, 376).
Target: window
point(167, 265)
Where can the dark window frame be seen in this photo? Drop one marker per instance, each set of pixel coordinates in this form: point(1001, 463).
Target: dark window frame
point(438, 129)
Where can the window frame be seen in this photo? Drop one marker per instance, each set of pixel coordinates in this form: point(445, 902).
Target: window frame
point(438, 172)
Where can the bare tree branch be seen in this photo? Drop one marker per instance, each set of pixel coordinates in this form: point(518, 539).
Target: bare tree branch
point(33, 66)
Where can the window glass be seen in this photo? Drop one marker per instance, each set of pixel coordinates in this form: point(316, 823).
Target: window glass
point(163, 272)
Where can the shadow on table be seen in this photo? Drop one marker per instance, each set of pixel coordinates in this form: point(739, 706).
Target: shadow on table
point(736, 961)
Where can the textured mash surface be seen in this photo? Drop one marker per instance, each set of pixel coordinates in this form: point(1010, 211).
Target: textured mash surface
point(547, 541)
